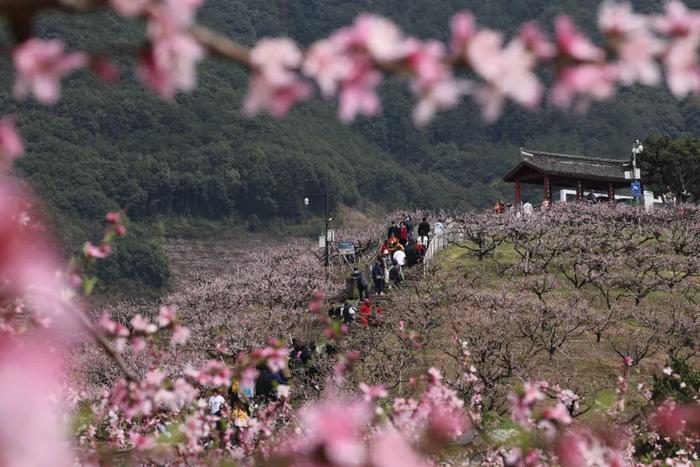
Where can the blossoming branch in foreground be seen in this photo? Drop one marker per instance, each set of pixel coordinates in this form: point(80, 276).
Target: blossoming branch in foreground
point(351, 64)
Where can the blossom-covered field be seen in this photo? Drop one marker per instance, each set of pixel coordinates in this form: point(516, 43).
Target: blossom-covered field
point(590, 310)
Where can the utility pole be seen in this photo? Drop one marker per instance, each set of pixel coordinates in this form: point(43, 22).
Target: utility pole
point(328, 220)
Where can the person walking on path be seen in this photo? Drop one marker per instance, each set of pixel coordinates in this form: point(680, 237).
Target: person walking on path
point(409, 226)
point(361, 283)
point(439, 227)
point(403, 234)
point(365, 313)
point(393, 231)
point(400, 261)
point(423, 232)
point(378, 276)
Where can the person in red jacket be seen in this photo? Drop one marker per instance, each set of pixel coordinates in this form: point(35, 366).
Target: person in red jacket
point(403, 234)
point(365, 313)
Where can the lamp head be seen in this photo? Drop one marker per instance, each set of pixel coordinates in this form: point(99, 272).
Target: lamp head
point(306, 201)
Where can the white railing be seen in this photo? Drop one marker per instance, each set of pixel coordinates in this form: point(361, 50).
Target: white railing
point(438, 243)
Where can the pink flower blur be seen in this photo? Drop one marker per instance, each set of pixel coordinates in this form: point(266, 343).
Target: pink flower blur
point(274, 86)
point(358, 95)
point(682, 66)
point(169, 65)
point(11, 144)
point(381, 38)
point(336, 428)
point(434, 83)
point(28, 412)
point(373, 392)
point(573, 44)
point(678, 21)
point(40, 66)
point(584, 83)
point(389, 448)
point(536, 42)
point(327, 62)
point(463, 28)
point(97, 252)
point(28, 268)
point(180, 335)
point(508, 72)
point(130, 8)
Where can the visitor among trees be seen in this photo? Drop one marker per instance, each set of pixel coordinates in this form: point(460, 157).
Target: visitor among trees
point(424, 231)
point(361, 283)
point(378, 276)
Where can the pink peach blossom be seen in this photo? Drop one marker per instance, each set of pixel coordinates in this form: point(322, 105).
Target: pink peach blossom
point(679, 21)
point(372, 392)
point(11, 144)
point(637, 63)
point(180, 335)
point(277, 100)
point(586, 83)
point(389, 448)
point(170, 65)
point(381, 38)
point(573, 44)
point(358, 94)
point(335, 428)
point(130, 8)
point(536, 41)
point(29, 379)
point(682, 66)
point(618, 19)
point(41, 65)
point(141, 324)
point(463, 28)
point(98, 252)
point(274, 86)
point(508, 72)
point(276, 60)
point(166, 315)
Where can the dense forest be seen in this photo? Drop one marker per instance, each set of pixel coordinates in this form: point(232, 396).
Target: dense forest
point(108, 147)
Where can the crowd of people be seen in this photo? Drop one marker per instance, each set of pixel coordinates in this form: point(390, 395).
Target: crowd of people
point(233, 410)
point(404, 247)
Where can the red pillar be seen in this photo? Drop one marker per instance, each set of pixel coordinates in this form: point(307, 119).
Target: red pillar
point(611, 192)
point(547, 190)
point(579, 191)
point(518, 197)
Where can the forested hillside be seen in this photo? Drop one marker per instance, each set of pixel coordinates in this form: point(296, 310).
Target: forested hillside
point(106, 147)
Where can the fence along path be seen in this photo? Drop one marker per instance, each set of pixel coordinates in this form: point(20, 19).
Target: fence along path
point(438, 243)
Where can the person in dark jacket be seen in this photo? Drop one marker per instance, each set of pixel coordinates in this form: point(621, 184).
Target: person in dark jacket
point(361, 283)
point(334, 312)
point(409, 227)
point(394, 231)
point(378, 276)
point(423, 231)
point(411, 255)
point(348, 313)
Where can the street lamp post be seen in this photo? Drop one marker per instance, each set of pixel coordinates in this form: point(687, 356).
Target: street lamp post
point(637, 149)
point(327, 225)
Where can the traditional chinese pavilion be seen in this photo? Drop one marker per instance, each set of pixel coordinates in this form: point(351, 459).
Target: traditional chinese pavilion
point(566, 171)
